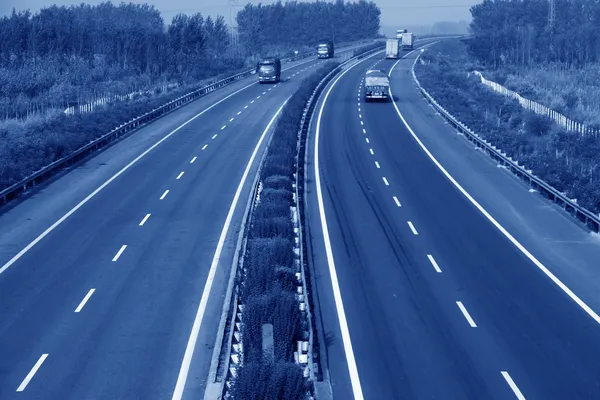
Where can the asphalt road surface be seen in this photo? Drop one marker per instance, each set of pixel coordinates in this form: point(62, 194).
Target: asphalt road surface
point(102, 306)
point(436, 302)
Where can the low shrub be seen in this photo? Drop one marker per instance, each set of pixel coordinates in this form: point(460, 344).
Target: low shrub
point(270, 381)
point(277, 182)
point(280, 308)
point(272, 227)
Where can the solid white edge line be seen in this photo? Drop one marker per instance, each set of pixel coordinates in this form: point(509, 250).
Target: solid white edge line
point(412, 228)
point(189, 351)
point(31, 373)
point(85, 300)
point(145, 219)
point(397, 201)
point(386, 181)
point(180, 175)
point(434, 263)
point(490, 218)
point(121, 250)
point(466, 314)
point(193, 159)
point(337, 295)
point(164, 194)
point(20, 254)
point(512, 385)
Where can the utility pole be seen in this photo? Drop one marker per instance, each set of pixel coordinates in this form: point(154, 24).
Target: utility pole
point(551, 22)
point(232, 28)
point(551, 13)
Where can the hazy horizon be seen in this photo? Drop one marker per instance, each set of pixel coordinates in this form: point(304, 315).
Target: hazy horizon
point(394, 13)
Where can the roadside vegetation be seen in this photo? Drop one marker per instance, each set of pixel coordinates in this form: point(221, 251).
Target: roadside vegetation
point(557, 65)
point(268, 282)
point(567, 161)
point(126, 61)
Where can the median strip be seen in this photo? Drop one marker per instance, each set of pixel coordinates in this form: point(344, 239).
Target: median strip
point(272, 291)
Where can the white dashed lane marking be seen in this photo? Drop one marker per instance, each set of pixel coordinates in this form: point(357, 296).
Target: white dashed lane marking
point(512, 385)
point(434, 263)
point(145, 219)
point(121, 250)
point(466, 314)
point(412, 228)
point(32, 373)
point(85, 300)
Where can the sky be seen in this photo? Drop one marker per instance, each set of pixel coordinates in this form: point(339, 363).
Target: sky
point(394, 12)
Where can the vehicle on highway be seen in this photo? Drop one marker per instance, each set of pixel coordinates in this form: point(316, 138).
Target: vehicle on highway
point(399, 33)
point(407, 41)
point(377, 85)
point(392, 48)
point(269, 70)
point(325, 49)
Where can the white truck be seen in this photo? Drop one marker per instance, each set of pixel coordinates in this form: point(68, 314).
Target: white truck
point(377, 85)
point(392, 48)
point(399, 33)
point(407, 41)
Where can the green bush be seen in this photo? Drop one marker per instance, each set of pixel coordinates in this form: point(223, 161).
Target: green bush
point(280, 308)
point(272, 227)
point(277, 182)
point(270, 381)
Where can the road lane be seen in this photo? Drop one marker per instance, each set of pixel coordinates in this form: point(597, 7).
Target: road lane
point(129, 340)
point(453, 312)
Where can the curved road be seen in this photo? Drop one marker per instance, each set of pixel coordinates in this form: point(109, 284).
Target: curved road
point(102, 304)
point(437, 302)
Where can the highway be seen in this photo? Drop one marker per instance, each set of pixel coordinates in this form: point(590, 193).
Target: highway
point(102, 271)
point(437, 288)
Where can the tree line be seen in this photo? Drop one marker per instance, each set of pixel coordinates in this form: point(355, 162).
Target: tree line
point(62, 56)
point(294, 23)
point(65, 55)
point(518, 32)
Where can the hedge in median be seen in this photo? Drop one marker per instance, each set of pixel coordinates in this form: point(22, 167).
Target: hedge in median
point(268, 287)
point(268, 283)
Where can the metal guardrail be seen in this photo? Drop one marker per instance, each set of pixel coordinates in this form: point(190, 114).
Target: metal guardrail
point(15, 190)
point(582, 214)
